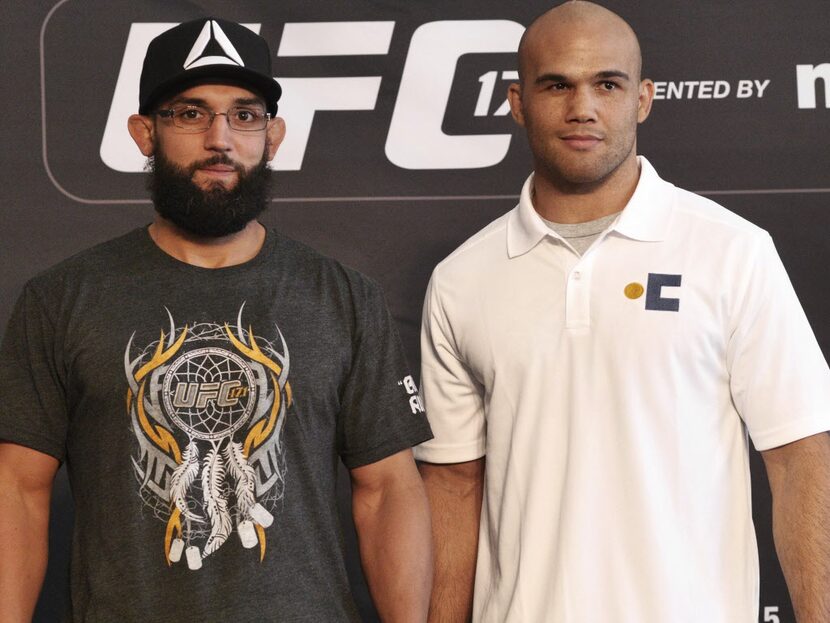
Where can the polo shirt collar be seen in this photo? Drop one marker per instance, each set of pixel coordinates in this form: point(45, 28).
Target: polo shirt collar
point(525, 227)
point(645, 217)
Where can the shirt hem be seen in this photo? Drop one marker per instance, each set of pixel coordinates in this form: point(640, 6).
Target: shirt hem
point(27, 440)
point(793, 431)
point(385, 450)
point(451, 454)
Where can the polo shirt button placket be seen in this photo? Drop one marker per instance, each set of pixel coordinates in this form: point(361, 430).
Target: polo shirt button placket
point(578, 293)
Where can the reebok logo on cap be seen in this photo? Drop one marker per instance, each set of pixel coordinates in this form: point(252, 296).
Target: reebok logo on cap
point(210, 37)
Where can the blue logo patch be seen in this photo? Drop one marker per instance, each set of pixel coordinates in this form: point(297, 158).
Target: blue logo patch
point(654, 292)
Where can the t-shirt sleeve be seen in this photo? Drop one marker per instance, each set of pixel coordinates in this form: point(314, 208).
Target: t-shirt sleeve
point(381, 411)
point(453, 397)
point(33, 410)
point(780, 381)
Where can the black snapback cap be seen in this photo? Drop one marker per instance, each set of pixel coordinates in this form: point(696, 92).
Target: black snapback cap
point(205, 50)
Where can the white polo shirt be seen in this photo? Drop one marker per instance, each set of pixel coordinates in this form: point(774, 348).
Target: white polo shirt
point(611, 394)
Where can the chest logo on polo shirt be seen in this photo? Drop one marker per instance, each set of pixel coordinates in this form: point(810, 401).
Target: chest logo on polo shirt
point(207, 404)
point(655, 301)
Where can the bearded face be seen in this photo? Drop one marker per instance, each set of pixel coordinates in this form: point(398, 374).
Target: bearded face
point(209, 210)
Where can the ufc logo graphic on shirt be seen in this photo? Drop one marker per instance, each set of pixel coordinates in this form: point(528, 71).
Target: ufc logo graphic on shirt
point(655, 300)
point(226, 394)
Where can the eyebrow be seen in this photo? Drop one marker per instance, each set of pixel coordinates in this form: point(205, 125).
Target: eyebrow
point(197, 101)
point(613, 73)
point(602, 75)
point(249, 101)
point(193, 101)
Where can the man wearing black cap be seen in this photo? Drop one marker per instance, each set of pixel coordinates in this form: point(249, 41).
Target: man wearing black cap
point(201, 377)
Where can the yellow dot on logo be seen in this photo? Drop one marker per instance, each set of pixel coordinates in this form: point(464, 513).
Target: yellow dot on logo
point(633, 290)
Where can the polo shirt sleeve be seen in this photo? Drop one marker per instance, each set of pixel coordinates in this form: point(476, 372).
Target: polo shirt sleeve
point(779, 379)
point(380, 410)
point(453, 397)
point(33, 411)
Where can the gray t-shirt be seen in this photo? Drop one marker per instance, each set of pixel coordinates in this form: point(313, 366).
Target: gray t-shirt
point(201, 414)
point(582, 235)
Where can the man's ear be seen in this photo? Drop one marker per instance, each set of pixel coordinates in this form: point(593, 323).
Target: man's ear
point(645, 99)
point(514, 96)
point(142, 128)
point(275, 134)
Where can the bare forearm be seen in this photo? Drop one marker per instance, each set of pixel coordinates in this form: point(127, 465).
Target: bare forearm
point(801, 516)
point(23, 553)
point(395, 549)
point(455, 502)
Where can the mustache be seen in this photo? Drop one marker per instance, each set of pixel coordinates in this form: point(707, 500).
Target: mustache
point(222, 159)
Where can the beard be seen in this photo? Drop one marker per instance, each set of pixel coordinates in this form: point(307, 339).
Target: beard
point(213, 212)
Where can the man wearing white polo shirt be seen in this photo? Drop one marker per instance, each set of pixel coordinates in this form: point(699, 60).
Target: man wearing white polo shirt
point(606, 347)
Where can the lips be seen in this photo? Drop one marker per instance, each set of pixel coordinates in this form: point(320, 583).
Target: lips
point(219, 163)
point(218, 172)
point(581, 141)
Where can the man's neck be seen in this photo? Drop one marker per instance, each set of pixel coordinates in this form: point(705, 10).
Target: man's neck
point(229, 250)
point(562, 203)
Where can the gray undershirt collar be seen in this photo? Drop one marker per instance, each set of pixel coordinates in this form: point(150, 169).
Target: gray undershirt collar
point(582, 235)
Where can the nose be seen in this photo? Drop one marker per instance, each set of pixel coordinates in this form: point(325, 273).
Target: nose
point(218, 135)
point(581, 105)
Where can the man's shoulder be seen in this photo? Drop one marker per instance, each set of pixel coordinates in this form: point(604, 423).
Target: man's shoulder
point(707, 211)
point(92, 262)
point(662, 202)
point(301, 259)
point(487, 245)
point(291, 250)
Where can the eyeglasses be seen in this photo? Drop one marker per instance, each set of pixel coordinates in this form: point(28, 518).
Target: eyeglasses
point(199, 119)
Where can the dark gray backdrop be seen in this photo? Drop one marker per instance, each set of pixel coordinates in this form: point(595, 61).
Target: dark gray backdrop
point(735, 123)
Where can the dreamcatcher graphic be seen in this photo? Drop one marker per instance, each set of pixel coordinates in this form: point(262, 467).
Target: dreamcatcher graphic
point(222, 395)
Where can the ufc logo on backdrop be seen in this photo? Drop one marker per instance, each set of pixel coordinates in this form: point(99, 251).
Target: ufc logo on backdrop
point(415, 139)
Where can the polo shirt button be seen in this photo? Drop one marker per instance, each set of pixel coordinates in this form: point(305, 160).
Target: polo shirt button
point(577, 275)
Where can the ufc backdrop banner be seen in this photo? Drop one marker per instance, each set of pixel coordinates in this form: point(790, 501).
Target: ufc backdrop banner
point(400, 146)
